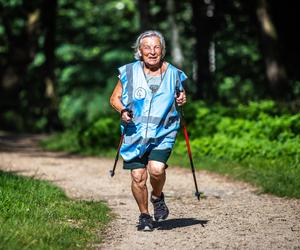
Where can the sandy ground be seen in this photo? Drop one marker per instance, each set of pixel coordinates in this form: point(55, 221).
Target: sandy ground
point(232, 216)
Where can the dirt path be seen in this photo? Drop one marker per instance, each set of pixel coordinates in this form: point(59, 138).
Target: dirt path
point(233, 216)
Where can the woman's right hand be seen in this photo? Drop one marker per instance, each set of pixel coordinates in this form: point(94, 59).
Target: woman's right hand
point(126, 116)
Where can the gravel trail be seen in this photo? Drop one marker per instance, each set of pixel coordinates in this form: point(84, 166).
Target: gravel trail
point(232, 216)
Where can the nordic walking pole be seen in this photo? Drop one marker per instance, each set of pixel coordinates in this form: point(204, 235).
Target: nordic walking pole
point(187, 141)
point(112, 172)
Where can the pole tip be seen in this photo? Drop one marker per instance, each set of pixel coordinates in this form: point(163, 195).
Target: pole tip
point(112, 173)
point(197, 194)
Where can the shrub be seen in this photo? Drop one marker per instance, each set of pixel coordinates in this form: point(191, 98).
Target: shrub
point(103, 133)
point(260, 130)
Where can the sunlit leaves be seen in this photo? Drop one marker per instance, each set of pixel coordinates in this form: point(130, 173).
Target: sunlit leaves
point(11, 3)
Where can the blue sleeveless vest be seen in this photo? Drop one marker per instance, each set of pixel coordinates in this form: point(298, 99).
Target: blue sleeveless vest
point(155, 118)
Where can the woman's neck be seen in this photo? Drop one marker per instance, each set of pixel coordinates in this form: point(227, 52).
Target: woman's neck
point(153, 69)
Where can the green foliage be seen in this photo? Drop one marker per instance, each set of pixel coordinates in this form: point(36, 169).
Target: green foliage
point(256, 130)
point(12, 120)
point(90, 49)
point(222, 146)
point(11, 3)
point(81, 107)
point(37, 215)
point(91, 40)
point(237, 51)
point(101, 135)
point(266, 127)
point(65, 141)
point(92, 46)
point(258, 142)
point(296, 88)
point(104, 133)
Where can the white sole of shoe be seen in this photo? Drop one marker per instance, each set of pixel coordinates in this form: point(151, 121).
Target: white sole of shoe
point(147, 229)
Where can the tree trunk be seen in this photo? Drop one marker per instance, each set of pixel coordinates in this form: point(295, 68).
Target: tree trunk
point(21, 48)
point(204, 24)
point(144, 7)
point(49, 24)
point(176, 52)
point(279, 86)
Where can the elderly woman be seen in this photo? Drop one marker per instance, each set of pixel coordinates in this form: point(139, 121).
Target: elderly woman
point(146, 97)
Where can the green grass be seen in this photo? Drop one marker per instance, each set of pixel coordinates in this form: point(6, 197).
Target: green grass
point(37, 215)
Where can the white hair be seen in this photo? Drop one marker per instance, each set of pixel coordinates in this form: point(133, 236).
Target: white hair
point(148, 33)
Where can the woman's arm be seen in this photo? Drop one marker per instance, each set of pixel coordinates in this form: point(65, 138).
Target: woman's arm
point(115, 99)
point(115, 102)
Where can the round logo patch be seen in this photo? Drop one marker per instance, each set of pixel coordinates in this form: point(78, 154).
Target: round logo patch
point(140, 93)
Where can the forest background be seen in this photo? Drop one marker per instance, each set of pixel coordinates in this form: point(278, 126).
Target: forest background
point(59, 60)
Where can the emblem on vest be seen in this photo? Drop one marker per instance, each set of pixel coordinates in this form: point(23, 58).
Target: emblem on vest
point(140, 93)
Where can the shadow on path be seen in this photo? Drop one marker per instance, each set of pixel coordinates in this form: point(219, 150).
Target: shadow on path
point(181, 222)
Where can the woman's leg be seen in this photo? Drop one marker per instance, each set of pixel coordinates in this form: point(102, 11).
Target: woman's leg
point(139, 188)
point(157, 174)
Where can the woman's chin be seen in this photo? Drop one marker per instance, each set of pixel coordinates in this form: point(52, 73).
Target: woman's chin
point(152, 63)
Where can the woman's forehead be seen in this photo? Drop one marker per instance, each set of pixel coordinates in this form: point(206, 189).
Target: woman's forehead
point(153, 40)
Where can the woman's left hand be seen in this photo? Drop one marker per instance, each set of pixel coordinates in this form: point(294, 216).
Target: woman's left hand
point(181, 98)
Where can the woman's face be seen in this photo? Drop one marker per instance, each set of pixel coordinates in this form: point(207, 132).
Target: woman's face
point(151, 50)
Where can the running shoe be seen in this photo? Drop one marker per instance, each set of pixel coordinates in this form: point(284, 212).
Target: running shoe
point(145, 222)
point(161, 210)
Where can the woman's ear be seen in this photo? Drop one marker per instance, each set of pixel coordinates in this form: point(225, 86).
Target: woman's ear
point(140, 53)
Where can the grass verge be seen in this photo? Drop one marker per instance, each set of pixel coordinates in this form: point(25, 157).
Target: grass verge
point(35, 214)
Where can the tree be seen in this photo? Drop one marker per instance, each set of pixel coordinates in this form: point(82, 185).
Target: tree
point(279, 86)
point(49, 12)
point(205, 24)
point(176, 52)
point(144, 14)
point(21, 30)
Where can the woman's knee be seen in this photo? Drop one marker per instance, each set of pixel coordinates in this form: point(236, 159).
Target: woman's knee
point(156, 169)
point(139, 177)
